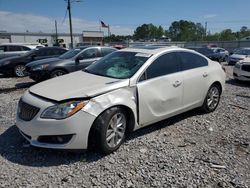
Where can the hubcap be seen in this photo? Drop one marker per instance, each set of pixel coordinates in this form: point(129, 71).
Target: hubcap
point(213, 98)
point(116, 130)
point(20, 70)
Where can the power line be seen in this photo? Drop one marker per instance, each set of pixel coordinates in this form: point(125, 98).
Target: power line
point(65, 15)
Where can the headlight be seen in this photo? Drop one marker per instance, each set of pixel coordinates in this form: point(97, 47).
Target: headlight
point(62, 111)
point(4, 63)
point(40, 67)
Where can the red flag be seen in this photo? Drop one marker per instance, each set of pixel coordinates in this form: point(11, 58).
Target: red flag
point(104, 25)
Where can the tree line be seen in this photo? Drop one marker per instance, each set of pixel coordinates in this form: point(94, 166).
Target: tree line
point(182, 30)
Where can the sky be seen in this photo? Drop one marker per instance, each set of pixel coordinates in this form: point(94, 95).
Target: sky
point(123, 16)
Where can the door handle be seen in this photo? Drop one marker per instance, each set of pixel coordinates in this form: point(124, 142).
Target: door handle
point(205, 74)
point(177, 83)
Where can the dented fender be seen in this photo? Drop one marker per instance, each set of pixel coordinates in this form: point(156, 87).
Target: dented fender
point(125, 96)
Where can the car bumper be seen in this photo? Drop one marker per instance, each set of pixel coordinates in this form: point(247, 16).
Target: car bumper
point(241, 75)
point(69, 133)
point(5, 70)
point(39, 75)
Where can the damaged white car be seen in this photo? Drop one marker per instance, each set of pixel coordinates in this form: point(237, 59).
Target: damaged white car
point(122, 92)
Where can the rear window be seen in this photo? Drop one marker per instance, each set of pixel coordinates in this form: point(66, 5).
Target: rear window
point(191, 60)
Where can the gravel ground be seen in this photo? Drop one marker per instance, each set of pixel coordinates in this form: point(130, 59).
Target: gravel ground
point(189, 150)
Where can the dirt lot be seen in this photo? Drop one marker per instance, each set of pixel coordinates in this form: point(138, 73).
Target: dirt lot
point(190, 150)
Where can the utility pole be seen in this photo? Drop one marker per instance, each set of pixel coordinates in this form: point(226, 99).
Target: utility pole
point(205, 29)
point(56, 33)
point(70, 24)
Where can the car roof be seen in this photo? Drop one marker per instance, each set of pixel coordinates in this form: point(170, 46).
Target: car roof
point(151, 49)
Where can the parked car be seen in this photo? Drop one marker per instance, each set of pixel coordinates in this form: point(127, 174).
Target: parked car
point(241, 70)
point(74, 60)
point(238, 54)
point(222, 54)
point(14, 49)
point(215, 54)
point(16, 65)
point(124, 91)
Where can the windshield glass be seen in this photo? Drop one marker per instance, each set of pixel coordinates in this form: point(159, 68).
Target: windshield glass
point(242, 51)
point(119, 65)
point(70, 53)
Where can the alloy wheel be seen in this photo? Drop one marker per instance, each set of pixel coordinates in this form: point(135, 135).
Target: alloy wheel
point(213, 97)
point(116, 130)
point(20, 71)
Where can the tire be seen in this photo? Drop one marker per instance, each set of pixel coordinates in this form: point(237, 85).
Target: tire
point(212, 98)
point(108, 131)
point(19, 71)
point(57, 73)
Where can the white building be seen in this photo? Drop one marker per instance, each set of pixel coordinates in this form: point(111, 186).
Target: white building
point(86, 37)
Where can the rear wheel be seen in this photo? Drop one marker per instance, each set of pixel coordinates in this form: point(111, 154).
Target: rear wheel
point(212, 99)
point(19, 71)
point(57, 73)
point(108, 131)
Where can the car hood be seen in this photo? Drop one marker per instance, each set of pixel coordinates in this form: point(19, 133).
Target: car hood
point(43, 61)
point(76, 85)
point(237, 56)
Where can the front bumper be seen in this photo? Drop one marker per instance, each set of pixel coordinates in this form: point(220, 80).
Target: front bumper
point(241, 75)
point(44, 132)
point(39, 75)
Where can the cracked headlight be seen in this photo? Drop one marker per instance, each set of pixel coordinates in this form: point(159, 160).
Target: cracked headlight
point(62, 111)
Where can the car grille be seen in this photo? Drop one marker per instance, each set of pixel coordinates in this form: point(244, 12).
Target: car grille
point(26, 111)
point(245, 68)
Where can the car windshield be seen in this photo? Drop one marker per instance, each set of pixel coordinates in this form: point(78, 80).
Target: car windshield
point(29, 52)
point(242, 51)
point(70, 53)
point(120, 65)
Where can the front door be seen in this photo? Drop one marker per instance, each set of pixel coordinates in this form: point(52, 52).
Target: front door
point(160, 93)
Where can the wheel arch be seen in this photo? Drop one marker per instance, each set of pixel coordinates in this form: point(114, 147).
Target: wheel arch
point(129, 115)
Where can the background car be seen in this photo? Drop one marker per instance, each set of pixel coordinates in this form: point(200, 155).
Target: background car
point(241, 70)
point(238, 54)
point(16, 65)
point(222, 54)
point(123, 91)
point(215, 53)
point(74, 60)
point(12, 49)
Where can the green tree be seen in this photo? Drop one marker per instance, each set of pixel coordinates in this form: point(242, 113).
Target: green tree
point(186, 31)
point(227, 35)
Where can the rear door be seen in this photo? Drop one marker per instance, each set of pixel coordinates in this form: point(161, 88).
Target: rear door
point(160, 89)
point(195, 78)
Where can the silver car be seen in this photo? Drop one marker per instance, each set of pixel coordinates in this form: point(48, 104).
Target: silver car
point(124, 91)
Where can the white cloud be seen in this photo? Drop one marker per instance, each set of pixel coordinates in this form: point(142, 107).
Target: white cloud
point(18, 22)
point(207, 16)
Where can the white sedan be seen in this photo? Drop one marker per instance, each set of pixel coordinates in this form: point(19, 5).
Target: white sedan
point(122, 92)
point(241, 70)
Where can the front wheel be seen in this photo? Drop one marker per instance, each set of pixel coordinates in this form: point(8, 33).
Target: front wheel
point(19, 71)
point(212, 98)
point(109, 130)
